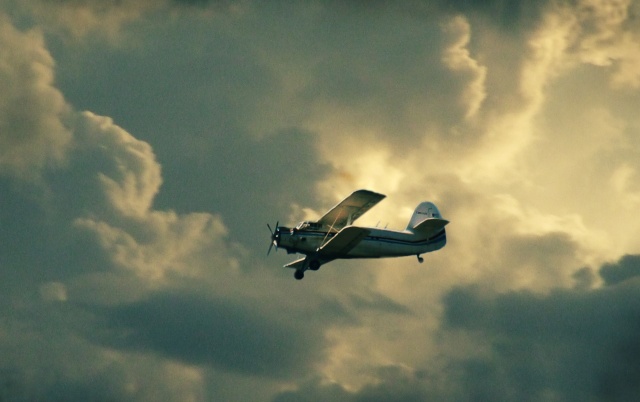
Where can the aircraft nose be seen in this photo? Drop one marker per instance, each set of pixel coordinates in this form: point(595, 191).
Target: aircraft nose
point(275, 237)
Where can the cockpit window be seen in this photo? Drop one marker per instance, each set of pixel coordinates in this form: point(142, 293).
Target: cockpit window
point(307, 225)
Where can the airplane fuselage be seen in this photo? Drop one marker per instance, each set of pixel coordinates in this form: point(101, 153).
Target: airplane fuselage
point(378, 243)
point(333, 236)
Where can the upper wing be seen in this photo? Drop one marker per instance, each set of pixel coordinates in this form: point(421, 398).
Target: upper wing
point(350, 209)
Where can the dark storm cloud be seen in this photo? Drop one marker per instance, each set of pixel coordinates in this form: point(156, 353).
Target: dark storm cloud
point(627, 268)
point(45, 359)
point(218, 4)
point(220, 333)
point(14, 386)
point(243, 338)
point(39, 243)
point(570, 344)
point(509, 14)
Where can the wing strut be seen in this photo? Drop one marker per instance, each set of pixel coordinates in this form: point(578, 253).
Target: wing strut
point(329, 231)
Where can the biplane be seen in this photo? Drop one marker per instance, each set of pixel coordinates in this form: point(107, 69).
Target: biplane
point(334, 235)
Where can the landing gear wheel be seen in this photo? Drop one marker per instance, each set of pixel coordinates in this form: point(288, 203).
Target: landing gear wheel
point(420, 259)
point(298, 275)
point(314, 265)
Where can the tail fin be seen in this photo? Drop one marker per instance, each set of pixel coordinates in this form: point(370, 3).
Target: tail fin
point(426, 219)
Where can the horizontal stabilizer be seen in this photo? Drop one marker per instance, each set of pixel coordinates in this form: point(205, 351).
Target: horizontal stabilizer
point(430, 226)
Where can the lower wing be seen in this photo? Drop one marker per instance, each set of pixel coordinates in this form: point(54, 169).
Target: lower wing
point(338, 246)
point(303, 263)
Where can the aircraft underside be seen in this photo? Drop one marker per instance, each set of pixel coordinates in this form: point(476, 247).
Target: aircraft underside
point(373, 247)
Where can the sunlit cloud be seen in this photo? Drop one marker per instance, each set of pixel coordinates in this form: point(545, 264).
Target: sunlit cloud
point(458, 58)
point(609, 39)
point(32, 110)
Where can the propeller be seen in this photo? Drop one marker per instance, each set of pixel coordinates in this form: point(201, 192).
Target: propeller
point(275, 237)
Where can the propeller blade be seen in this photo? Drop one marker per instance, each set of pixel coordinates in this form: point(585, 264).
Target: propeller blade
point(274, 237)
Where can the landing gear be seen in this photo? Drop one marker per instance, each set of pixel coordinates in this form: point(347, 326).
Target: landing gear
point(298, 275)
point(420, 259)
point(314, 265)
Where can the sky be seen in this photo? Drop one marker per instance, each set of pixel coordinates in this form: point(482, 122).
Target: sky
point(145, 145)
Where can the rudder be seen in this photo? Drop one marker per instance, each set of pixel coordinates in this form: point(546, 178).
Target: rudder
point(426, 216)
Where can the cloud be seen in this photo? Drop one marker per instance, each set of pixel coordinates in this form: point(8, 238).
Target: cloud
point(132, 251)
point(79, 19)
point(32, 111)
point(393, 383)
point(627, 268)
point(79, 225)
point(221, 333)
point(457, 58)
point(232, 126)
point(390, 103)
point(75, 371)
point(566, 345)
point(134, 178)
point(608, 37)
point(511, 15)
